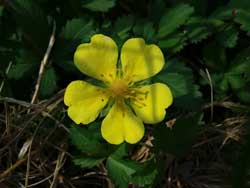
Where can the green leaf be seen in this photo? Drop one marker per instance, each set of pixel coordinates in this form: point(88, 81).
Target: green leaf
point(147, 174)
point(214, 56)
point(179, 139)
point(239, 4)
point(75, 32)
point(172, 41)
point(87, 140)
point(24, 66)
point(244, 94)
point(145, 29)
point(236, 81)
point(87, 162)
point(145, 178)
point(198, 29)
point(238, 74)
point(78, 29)
point(179, 78)
point(228, 38)
point(223, 13)
point(243, 18)
point(19, 71)
point(121, 151)
point(120, 171)
point(33, 22)
point(241, 169)
point(48, 83)
point(123, 25)
point(99, 5)
point(174, 18)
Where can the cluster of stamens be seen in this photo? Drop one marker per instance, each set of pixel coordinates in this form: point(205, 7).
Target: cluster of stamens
point(121, 90)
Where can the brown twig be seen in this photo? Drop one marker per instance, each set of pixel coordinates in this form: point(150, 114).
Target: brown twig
point(14, 166)
point(211, 94)
point(43, 64)
point(57, 169)
point(6, 72)
point(16, 101)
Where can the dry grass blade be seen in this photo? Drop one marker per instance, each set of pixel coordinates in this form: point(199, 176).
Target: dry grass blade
point(43, 64)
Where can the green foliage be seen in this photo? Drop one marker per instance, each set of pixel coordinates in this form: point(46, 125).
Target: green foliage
point(78, 29)
point(25, 65)
point(123, 25)
point(48, 83)
point(173, 19)
point(242, 167)
point(243, 19)
point(99, 5)
point(120, 171)
point(180, 137)
point(145, 29)
point(228, 37)
point(198, 39)
point(87, 162)
point(181, 82)
point(146, 175)
point(74, 32)
point(87, 141)
point(33, 22)
point(20, 70)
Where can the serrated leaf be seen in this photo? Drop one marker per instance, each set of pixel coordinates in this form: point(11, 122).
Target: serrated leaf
point(174, 42)
point(179, 78)
point(33, 22)
point(24, 66)
point(19, 71)
point(223, 13)
point(173, 19)
point(145, 178)
point(236, 81)
point(87, 141)
point(123, 25)
point(171, 41)
point(238, 74)
point(120, 171)
point(145, 29)
point(243, 18)
point(48, 83)
point(99, 5)
point(87, 162)
point(77, 29)
point(198, 29)
point(149, 32)
point(75, 32)
point(244, 94)
point(228, 38)
point(146, 175)
point(121, 151)
point(239, 4)
point(179, 139)
point(214, 56)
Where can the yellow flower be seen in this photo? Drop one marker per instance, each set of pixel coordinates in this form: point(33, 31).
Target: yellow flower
point(131, 104)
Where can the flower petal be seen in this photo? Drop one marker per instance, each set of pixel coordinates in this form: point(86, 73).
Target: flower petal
point(121, 124)
point(140, 61)
point(98, 58)
point(151, 102)
point(85, 101)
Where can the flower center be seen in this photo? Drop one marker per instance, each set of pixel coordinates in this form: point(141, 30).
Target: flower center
point(118, 88)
